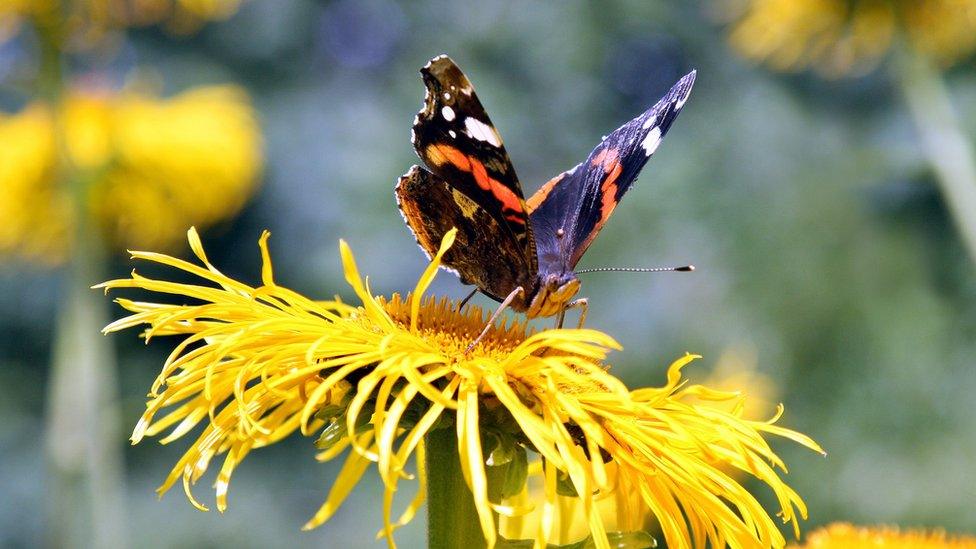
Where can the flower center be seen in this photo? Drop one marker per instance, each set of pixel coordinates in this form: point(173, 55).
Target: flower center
point(441, 324)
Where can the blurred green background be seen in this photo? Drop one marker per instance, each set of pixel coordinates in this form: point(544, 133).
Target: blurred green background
point(829, 265)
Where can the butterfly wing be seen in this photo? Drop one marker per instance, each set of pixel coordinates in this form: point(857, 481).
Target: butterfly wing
point(581, 200)
point(432, 207)
point(454, 137)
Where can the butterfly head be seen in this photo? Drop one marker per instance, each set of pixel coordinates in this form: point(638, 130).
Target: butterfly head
point(554, 292)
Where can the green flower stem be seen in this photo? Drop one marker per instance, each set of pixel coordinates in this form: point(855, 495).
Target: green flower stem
point(83, 444)
point(946, 146)
point(452, 520)
point(85, 486)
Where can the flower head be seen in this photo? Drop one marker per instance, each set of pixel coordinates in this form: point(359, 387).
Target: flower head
point(260, 363)
point(155, 167)
point(842, 535)
point(839, 37)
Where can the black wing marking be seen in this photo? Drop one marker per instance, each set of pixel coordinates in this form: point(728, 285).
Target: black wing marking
point(581, 200)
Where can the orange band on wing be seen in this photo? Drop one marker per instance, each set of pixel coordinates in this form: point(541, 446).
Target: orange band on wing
point(606, 158)
point(480, 175)
point(446, 154)
point(510, 201)
point(609, 188)
point(535, 200)
point(443, 154)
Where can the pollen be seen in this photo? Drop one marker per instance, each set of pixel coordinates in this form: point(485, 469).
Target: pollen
point(444, 327)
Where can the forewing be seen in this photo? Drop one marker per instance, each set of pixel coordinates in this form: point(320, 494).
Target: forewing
point(581, 200)
point(432, 207)
point(454, 137)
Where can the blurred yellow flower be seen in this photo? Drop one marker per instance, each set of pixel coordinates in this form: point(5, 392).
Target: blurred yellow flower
point(181, 16)
point(85, 22)
point(840, 37)
point(12, 13)
point(847, 536)
point(259, 363)
point(155, 165)
point(737, 371)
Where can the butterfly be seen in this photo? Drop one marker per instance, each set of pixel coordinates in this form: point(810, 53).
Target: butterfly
point(519, 252)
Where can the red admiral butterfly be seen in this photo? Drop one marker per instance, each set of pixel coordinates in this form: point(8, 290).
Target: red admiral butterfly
point(519, 252)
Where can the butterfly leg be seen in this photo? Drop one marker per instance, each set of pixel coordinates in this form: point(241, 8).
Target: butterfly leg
point(466, 300)
point(560, 317)
point(583, 305)
point(491, 321)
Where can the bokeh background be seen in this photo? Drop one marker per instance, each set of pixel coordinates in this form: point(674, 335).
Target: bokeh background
point(829, 234)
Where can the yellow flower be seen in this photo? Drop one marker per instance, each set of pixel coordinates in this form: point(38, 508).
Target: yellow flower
point(847, 536)
point(155, 167)
point(840, 37)
point(260, 363)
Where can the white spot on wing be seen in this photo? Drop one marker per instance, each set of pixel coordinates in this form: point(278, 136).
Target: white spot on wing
point(649, 122)
point(681, 102)
point(447, 113)
point(452, 133)
point(477, 129)
point(447, 96)
point(651, 142)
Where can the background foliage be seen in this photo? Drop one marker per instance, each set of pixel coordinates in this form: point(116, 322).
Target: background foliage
point(827, 262)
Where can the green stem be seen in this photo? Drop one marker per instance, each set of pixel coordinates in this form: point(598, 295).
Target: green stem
point(452, 520)
point(946, 146)
point(85, 485)
point(83, 444)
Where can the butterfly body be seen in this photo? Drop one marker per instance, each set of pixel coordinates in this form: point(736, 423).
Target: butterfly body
point(514, 250)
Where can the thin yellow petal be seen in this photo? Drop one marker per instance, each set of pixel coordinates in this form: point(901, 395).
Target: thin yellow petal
point(472, 459)
point(352, 470)
point(428, 277)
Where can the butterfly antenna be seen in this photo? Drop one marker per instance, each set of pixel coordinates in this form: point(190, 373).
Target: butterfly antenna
point(681, 269)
